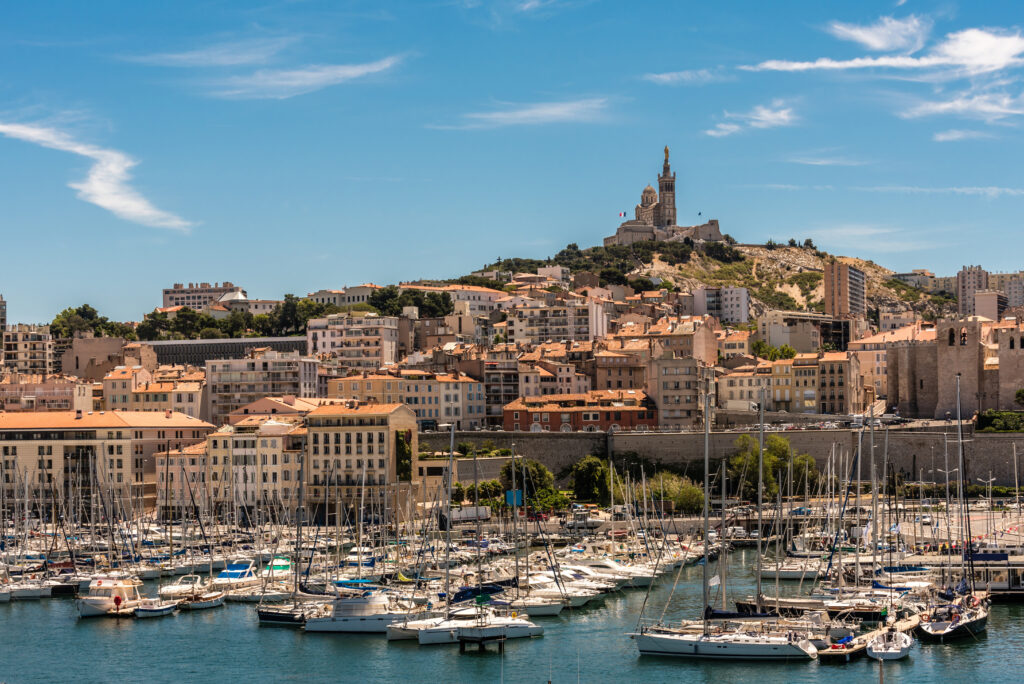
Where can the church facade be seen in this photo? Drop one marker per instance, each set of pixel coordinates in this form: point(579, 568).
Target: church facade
point(655, 216)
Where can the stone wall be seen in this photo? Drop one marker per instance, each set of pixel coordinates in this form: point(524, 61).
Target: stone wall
point(915, 453)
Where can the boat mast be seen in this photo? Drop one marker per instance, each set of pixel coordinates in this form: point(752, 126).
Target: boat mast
point(760, 494)
point(448, 524)
point(707, 500)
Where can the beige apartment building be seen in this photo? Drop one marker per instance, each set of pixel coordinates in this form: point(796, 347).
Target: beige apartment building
point(119, 385)
point(198, 295)
point(28, 349)
point(969, 280)
point(575, 318)
point(233, 383)
point(352, 451)
point(360, 340)
point(20, 392)
point(57, 452)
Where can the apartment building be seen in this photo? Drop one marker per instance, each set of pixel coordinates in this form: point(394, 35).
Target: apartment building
point(969, 280)
point(734, 343)
point(574, 318)
point(477, 300)
point(741, 389)
point(597, 410)
point(845, 290)
point(676, 385)
point(28, 349)
point(990, 304)
point(894, 318)
point(180, 396)
point(728, 304)
point(19, 392)
point(352, 452)
point(544, 376)
point(120, 383)
point(233, 383)
point(198, 295)
point(67, 452)
point(361, 340)
point(3, 319)
point(839, 390)
point(805, 383)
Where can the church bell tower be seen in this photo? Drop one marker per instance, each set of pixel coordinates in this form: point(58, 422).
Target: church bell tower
point(667, 193)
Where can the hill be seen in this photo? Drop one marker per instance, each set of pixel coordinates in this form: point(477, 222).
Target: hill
point(777, 276)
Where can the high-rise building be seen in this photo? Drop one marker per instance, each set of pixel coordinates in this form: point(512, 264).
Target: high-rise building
point(969, 280)
point(233, 383)
point(845, 291)
point(28, 348)
point(3, 313)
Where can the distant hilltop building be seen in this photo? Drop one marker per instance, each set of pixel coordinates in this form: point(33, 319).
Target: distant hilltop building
point(656, 216)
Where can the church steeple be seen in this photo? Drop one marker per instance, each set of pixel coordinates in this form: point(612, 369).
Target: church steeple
point(667, 194)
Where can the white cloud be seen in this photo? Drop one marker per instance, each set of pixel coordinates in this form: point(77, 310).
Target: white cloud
point(572, 111)
point(986, 105)
point(968, 52)
point(989, 192)
point(954, 135)
point(106, 184)
point(761, 116)
point(255, 51)
point(723, 129)
point(887, 34)
point(686, 77)
point(281, 84)
point(531, 5)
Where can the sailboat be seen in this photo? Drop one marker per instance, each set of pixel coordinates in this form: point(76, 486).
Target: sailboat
point(966, 615)
point(744, 641)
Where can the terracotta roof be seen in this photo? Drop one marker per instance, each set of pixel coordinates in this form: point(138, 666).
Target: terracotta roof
point(834, 356)
point(122, 372)
point(59, 420)
point(340, 409)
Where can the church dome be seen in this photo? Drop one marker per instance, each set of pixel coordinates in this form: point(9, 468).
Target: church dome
point(649, 196)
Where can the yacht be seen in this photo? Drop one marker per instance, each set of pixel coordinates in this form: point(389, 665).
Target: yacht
point(236, 576)
point(735, 645)
point(186, 585)
point(110, 597)
point(363, 611)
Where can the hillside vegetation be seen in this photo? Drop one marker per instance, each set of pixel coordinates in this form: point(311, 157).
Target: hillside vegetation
point(786, 277)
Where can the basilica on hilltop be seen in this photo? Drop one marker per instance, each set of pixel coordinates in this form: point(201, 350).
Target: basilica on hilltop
point(655, 216)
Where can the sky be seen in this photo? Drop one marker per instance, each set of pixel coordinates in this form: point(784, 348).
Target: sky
point(293, 146)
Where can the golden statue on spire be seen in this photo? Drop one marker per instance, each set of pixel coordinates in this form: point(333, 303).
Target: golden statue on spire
point(666, 154)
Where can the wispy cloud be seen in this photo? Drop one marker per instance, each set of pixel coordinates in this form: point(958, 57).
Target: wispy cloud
point(826, 161)
point(989, 192)
point(882, 239)
point(687, 77)
point(969, 52)
point(572, 111)
point(954, 135)
point(778, 113)
point(280, 84)
point(106, 184)
point(887, 34)
point(533, 5)
point(238, 53)
point(985, 104)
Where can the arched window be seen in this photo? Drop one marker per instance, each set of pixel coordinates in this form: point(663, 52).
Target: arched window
point(963, 337)
point(951, 343)
point(1011, 343)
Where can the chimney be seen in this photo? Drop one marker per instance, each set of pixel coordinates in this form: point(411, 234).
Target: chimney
point(289, 399)
point(167, 413)
point(78, 414)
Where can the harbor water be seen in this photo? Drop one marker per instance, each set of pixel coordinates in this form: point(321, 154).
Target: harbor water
point(44, 641)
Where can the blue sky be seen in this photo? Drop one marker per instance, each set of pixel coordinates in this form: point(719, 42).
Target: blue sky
point(289, 146)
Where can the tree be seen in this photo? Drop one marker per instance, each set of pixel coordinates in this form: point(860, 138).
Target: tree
point(458, 493)
point(551, 500)
point(211, 334)
point(690, 499)
point(1019, 397)
point(787, 352)
point(809, 244)
point(464, 448)
point(590, 480)
point(403, 459)
point(538, 477)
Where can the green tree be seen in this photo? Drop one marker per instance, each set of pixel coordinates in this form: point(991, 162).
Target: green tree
point(464, 448)
point(458, 493)
point(551, 500)
point(263, 324)
point(690, 498)
point(786, 352)
point(403, 458)
point(590, 480)
point(538, 477)
point(211, 334)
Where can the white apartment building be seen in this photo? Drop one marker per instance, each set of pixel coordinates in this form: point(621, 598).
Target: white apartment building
point(729, 304)
point(28, 349)
point(572, 319)
point(198, 295)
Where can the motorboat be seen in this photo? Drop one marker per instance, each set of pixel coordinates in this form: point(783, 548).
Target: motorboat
point(186, 585)
point(151, 608)
point(202, 600)
point(237, 576)
point(118, 596)
point(890, 645)
point(280, 567)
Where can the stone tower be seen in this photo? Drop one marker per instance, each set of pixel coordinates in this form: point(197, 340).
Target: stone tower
point(667, 194)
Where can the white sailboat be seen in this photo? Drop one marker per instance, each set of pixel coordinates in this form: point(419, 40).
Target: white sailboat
point(890, 645)
point(110, 597)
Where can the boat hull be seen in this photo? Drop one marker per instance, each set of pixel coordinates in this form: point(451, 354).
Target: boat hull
point(712, 648)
